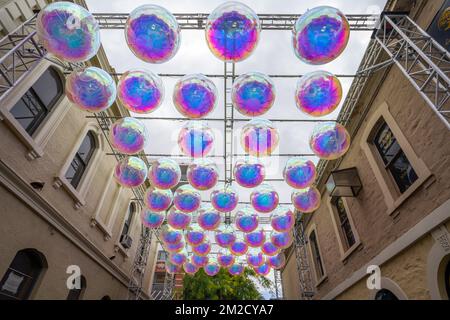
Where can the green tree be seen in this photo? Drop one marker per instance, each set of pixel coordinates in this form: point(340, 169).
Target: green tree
point(224, 286)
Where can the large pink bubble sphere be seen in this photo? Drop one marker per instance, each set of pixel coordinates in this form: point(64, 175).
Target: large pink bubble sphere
point(306, 200)
point(264, 198)
point(170, 235)
point(259, 137)
point(195, 235)
point(225, 236)
point(299, 172)
point(282, 240)
point(128, 135)
point(190, 268)
point(152, 33)
point(130, 172)
point(178, 219)
point(247, 219)
point(152, 220)
point(249, 173)
point(164, 173)
point(282, 219)
point(195, 139)
point(255, 259)
point(158, 200)
point(187, 199)
point(202, 174)
point(225, 258)
point(277, 262)
point(256, 238)
point(224, 198)
point(329, 140)
point(208, 218)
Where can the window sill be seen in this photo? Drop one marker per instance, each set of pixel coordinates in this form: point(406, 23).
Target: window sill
point(77, 197)
point(124, 252)
point(415, 186)
point(356, 247)
point(102, 228)
point(321, 281)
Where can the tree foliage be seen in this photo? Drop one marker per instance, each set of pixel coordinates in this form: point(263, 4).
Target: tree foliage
point(223, 286)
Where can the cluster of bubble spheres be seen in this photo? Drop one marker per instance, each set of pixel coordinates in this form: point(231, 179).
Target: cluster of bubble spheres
point(253, 94)
point(164, 173)
point(232, 31)
point(195, 96)
point(91, 89)
point(212, 267)
point(150, 219)
point(195, 139)
point(130, 172)
point(282, 219)
point(249, 173)
point(264, 198)
point(224, 198)
point(140, 91)
point(320, 35)
point(158, 200)
point(68, 31)
point(306, 200)
point(256, 238)
point(195, 235)
point(208, 218)
point(152, 33)
point(318, 93)
point(202, 174)
point(178, 219)
point(247, 219)
point(225, 258)
point(259, 137)
point(225, 236)
point(329, 140)
point(128, 135)
point(187, 199)
point(299, 172)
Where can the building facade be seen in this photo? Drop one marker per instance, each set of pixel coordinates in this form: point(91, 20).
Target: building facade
point(391, 240)
point(61, 210)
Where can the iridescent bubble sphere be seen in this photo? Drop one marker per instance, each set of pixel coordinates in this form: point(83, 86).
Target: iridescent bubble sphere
point(158, 200)
point(202, 249)
point(140, 91)
point(282, 240)
point(170, 235)
point(232, 31)
point(282, 219)
point(202, 174)
point(255, 259)
point(329, 140)
point(195, 235)
point(152, 34)
point(187, 199)
point(259, 137)
point(128, 135)
point(256, 238)
point(164, 173)
point(318, 93)
point(199, 261)
point(263, 270)
point(236, 269)
point(224, 198)
point(172, 268)
point(195, 96)
point(91, 89)
point(264, 199)
point(225, 236)
point(177, 247)
point(249, 173)
point(208, 218)
point(253, 94)
point(225, 258)
point(178, 219)
point(247, 219)
point(178, 258)
point(239, 247)
point(212, 268)
point(150, 219)
point(195, 139)
point(320, 35)
point(190, 268)
point(299, 172)
point(277, 262)
point(130, 172)
point(269, 249)
point(68, 31)
point(306, 200)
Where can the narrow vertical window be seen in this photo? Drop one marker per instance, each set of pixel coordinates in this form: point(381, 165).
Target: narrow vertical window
point(81, 160)
point(316, 255)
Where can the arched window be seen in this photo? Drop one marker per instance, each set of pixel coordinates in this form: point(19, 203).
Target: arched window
point(125, 239)
point(22, 275)
point(385, 294)
point(77, 293)
point(106, 298)
point(37, 103)
point(447, 279)
point(81, 159)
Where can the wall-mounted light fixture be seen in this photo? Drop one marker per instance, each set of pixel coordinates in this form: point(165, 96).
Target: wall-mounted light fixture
point(344, 183)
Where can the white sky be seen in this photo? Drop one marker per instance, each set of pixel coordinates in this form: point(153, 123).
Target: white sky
point(273, 55)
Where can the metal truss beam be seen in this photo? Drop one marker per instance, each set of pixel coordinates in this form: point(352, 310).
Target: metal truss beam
point(197, 21)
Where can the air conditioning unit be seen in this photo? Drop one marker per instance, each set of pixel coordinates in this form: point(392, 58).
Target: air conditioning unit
point(126, 241)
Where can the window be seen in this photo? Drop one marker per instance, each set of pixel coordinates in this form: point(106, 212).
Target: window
point(22, 275)
point(447, 280)
point(129, 220)
point(320, 272)
point(37, 103)
point(385, 294)
point(393, 157)
point(81, 160)
point(162, 256)
point(343, 223)
point(77, 293)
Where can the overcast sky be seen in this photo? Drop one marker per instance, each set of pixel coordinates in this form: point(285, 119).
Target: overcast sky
point(273, 55)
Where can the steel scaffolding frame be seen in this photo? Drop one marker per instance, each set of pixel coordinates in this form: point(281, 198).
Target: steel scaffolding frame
point(422, 60)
